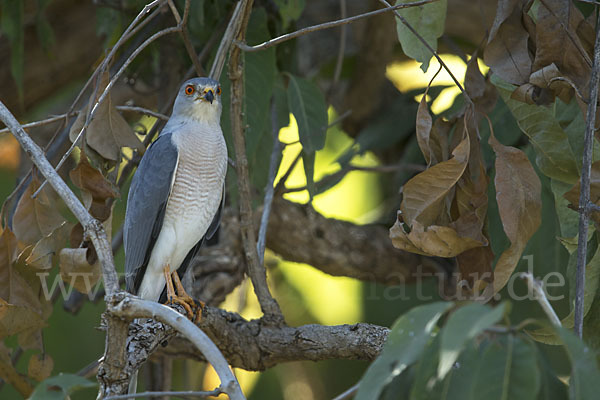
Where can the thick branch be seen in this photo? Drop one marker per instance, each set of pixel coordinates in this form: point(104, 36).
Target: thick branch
point(254, 345)
point(299, 233)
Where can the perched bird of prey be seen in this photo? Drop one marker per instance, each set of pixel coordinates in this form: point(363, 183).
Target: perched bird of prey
point(176, 196)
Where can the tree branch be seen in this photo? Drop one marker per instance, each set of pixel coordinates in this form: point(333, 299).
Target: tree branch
point(129, 307)
point(255, 345)
point(584, 195)
point(256, 270)
point(326, 25)
point(298, 233)
point(92, 227)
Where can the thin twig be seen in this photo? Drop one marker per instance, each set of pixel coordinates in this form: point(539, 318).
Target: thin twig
point(342, 49)
point(281, 183)
point(348, 393)
point(269, 189)
point(256, 271)
point(128, 306)
point(106, 92)
point(433, 52)
point(584, 195)
point(61, 117)
point(143, 110)
point(184, 394)
point(92, 227)
point(326, 25)
point(185, 35)
point(540, 295)
point(231, 32)
point(43, 122)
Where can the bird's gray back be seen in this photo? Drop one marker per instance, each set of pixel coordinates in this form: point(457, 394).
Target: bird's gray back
point(146, 203)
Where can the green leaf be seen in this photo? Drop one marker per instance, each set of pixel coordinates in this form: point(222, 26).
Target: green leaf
point(508, 371)
point(551, 388)
point(308, 105)
point(12, 24)
point(60, 387)
point(428, 20)
point(584, 382)
point(44, 31)
point(259, 77)
point(405, 343)
point(423, 387)
point(463, 325)
point(555, 157)
point(289, 10)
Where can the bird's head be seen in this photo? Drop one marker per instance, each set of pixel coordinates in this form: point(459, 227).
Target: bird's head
point(199, 98)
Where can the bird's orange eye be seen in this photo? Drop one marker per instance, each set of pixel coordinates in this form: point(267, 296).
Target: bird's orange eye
point(219, 90)
point(189, 89)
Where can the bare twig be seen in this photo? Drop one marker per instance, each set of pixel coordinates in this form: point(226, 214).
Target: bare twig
point(256, 270)
point(433, 52)
point(231, 32)
point(342, 49)
point(269, 189)
point(326, 25)
point(186, 36)
point(540, 295)
point(348, 394)
point(184, 394)
point(93, 228)
point(43, 122)
point(584, 195)
point(108, 88)
point(143, 110)
point(61, 117)
point(128, 306)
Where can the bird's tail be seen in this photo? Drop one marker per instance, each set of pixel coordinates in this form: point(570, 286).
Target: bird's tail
point(133, 383)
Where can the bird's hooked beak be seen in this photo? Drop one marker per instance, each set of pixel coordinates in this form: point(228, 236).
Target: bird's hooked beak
point(209, 96)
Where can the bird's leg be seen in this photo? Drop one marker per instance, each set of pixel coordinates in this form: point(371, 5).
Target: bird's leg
point(187, 298)
point(172, 297)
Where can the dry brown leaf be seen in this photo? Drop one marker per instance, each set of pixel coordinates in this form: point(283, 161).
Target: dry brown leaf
point(423, 130)
point(518, 193)
point(475, 268)
point(76, 271)
point(550, 77)
point(474, 80)
point(556, 45)
point(108, 131)
point(506, 52)
point(573, 194)
point(35, 218)
point(46, 248)
point(9, 374)
point(424, 194)
point(17, 319)
point(96, 189)
point(439, 241)
point(40, 366)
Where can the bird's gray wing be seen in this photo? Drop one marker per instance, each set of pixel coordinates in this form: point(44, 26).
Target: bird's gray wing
point(146, 203)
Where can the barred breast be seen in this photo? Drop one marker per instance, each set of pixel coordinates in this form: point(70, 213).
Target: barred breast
point(198, 182)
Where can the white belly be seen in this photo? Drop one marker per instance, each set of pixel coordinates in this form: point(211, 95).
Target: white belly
point(194, 201)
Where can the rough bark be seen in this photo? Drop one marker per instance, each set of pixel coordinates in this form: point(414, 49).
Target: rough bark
point(255, 346)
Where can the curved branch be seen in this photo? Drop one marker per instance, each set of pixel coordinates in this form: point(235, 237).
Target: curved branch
point(127, 306)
